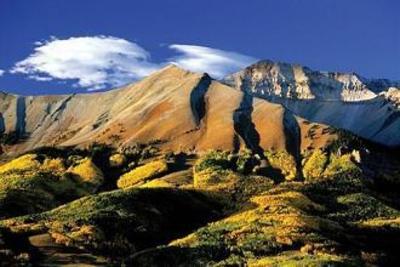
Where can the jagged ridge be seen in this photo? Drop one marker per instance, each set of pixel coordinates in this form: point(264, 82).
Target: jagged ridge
point(368, 108)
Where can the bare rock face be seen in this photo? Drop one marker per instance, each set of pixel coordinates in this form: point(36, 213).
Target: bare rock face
point(183, 111)
point(392, 95)
point(344, 100)
point(298, 82)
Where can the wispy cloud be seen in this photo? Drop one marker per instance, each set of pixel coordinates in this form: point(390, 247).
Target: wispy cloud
point(1, 72)
point(98, 62)
point(94, 62)
point(216, 62)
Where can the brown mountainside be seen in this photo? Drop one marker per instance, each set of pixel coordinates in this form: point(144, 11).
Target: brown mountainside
point(182, 110)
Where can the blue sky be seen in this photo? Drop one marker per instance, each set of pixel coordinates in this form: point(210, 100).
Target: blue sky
point(52, 40)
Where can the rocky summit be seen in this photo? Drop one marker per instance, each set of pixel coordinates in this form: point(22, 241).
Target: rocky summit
point(276, 165)
point(367, 107)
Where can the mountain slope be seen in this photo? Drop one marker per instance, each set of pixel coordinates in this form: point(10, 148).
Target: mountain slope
point(139, 205)
point(366, 107)
point(178, 109)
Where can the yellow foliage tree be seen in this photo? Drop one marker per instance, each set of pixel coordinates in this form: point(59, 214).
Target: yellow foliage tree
point(88, 172)
point(315, 165)
point(117, 160)
point(143, 173)
point(23, 163)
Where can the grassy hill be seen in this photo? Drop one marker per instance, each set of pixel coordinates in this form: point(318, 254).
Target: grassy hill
point(143, 207)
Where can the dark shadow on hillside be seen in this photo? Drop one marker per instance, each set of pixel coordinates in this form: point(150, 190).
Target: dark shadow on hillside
point(2, 124)
point(293, 139)
point(144, 217)
point(197, 98)
point(244, 126)
point(20, 123)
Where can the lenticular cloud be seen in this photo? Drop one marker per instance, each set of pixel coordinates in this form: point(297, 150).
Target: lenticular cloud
point(94, 62)
point(98, 62)
point(215, 62)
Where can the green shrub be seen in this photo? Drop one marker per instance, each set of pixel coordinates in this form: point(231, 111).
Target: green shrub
point(360, 206)
point(341, 164)
point(41, 190)
point(346, 140)
point(244, 163)
point(216, 160)
point(121, 222)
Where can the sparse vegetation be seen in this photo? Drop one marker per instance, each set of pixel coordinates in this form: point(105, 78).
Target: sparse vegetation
point(216, 213)
point(341, 164)
point(121, 222)
point(215, 160)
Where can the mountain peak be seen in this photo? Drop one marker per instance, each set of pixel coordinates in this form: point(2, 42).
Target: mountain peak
point(172, 68)
point(287, 80)
point(343, 100)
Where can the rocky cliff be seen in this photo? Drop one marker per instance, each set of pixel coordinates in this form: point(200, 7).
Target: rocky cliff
point(344, 100)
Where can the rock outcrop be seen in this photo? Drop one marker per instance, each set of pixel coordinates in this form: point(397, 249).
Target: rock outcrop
point(345, 100)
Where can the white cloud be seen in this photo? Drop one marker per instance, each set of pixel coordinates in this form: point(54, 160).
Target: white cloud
point(217, 63)
point(94, 62)
point(40, 78)
point(98, 62)
point(1, 72)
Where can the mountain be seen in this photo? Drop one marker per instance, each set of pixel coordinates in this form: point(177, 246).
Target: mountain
point(367, 107)
point(178, 110)
point(182, 170)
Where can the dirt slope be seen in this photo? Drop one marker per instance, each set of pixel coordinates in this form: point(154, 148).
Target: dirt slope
point(183, 110)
